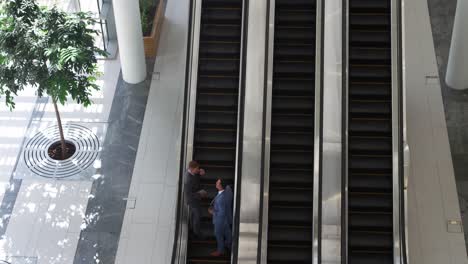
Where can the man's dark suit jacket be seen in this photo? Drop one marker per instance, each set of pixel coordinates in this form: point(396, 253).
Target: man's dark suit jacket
point(192, 186)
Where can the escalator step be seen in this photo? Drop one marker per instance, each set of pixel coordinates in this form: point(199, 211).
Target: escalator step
point(358, 55)
point(290, 234)
point(220, 32)
point(289, 254)
point(370, 38)
point(222, 85)
point(371, 202)
point(215, 173)
point(294, 18)
point(366, 257)
point(370, 240)
point(226, 101)
point(369, 182)
point(286, 141)
point(282, 196)
point(370, 145)
point(286, 123)
point(372, 221)
point(370, 21)
point(215, 137)
point(371, 127)
point(219, 50)
point(369, 6)
point(370, 163)
point(288, 159)
point(224, 67)
point(294, 87)
point(371, 73)
point(293, 105)
point(367, 108)
point(290, 215)
point(283, 176)
point(294, 69)
point(296, 4)
point(369, 90)
point(294, 52)
point(217, 120)
point(222, 16)
point(294, 35)
point(215, 155)
point(222, 4)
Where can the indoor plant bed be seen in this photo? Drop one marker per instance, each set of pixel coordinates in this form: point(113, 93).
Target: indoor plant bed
point(152, 17)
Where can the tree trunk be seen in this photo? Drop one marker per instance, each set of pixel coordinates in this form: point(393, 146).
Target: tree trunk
point(59, 123)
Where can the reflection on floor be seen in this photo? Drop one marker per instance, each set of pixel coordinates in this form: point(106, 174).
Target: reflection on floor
point(45, 223)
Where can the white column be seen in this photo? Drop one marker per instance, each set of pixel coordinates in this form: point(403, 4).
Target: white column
point(130, 39)
point(457, 67)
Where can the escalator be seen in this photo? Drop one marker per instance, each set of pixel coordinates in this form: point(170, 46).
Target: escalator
point(216, 117)
point(289, 238)
point(370, 205)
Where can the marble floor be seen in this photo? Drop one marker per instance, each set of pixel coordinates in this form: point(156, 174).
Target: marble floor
point(442, 13)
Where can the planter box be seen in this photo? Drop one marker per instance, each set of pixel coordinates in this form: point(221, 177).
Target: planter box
point(151, 42)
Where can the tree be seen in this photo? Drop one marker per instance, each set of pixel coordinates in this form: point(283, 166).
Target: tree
point(50, 50)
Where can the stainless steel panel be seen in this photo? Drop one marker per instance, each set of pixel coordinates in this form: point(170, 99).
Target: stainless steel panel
point(181, 240)
point(332, 132)
point(345, 188)
point(396, 128)
point(318, 132)
point(251, 171)
point(267, 147)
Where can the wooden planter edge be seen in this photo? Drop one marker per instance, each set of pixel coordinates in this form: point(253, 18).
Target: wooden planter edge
point(151, 42)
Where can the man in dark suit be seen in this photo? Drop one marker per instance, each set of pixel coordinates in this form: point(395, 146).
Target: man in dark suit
point(194, 195)
point(221, 222)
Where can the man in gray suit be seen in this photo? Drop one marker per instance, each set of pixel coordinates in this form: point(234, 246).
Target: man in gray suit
point(194, 195)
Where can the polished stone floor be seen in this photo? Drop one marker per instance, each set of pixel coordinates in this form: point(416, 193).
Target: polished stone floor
point(442, 14)
point(107, 204)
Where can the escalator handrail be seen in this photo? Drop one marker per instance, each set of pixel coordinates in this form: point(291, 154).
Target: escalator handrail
point(399, 144)
point(406, 149)
point(318, 133)
point(179, 254)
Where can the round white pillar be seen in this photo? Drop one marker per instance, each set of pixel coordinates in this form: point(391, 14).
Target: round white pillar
point(130, 39)
point(457, 66)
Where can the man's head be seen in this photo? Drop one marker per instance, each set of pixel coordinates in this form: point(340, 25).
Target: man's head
point(220, 185)
point(194, 167)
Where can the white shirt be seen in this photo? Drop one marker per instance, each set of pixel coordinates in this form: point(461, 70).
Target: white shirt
point(219, 192)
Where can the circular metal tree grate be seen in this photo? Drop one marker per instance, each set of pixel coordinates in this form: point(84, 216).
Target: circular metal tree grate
point(38, 161)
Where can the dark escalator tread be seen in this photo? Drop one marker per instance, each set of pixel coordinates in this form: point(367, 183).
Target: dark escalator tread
point(292, 133)
point(370, 126)
point(370, 38)
point(224, 67)
point(289, 254)
point(370, 108)
point(216, 120)
point(374, 221)
point(370, 163)
point(367, 257)
point(370, 90)
point(220, 32)
point(371, 202)
point(222, 16)
point(370, 21)
point(372, 56)
point(370, 240)
point(290, 215)
point(370, 72)
point(361, 182)
point(369, 6)
point(370, 145)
